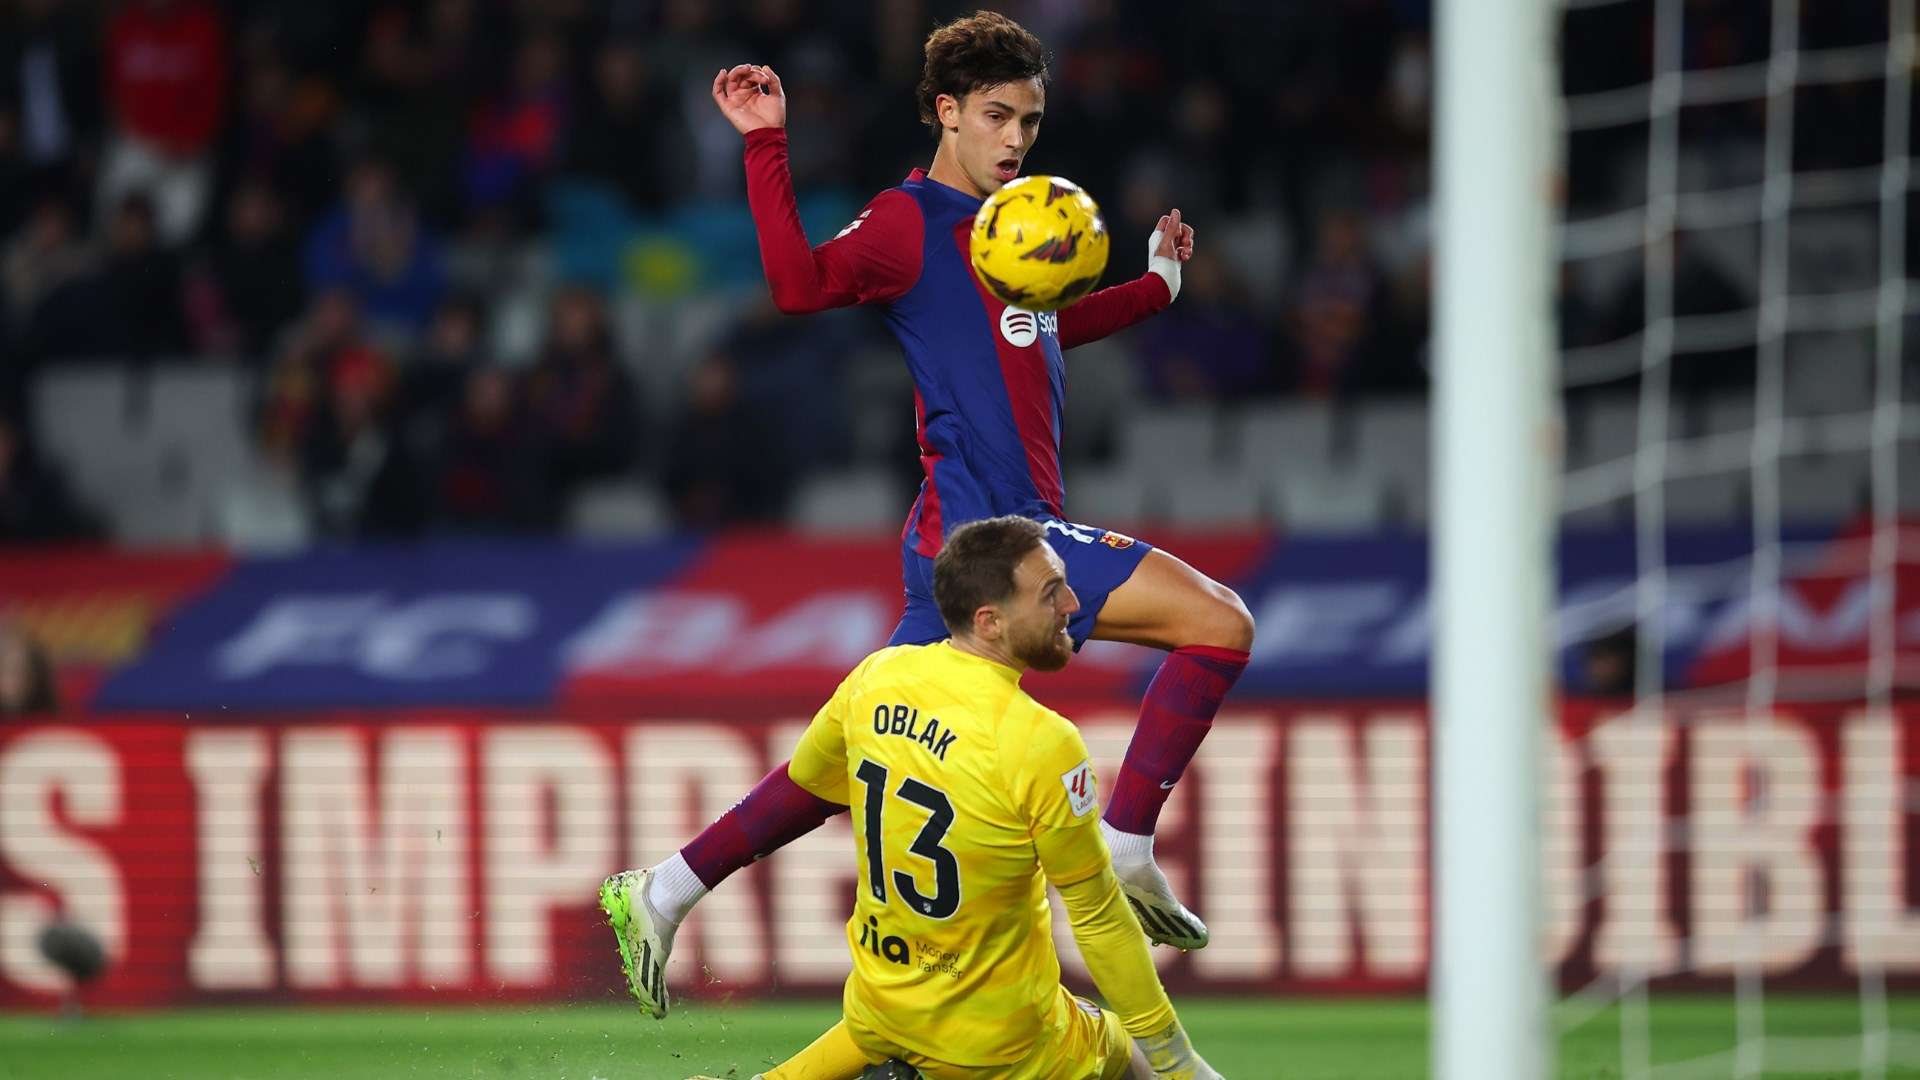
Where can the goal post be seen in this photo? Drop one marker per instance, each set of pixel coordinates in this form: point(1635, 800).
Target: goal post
point(1496, 460)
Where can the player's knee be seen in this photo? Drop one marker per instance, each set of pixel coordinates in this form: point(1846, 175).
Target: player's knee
point(1224, 622)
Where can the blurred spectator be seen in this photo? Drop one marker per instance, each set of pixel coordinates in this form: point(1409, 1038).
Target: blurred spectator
point(282, 136)
point(582, 405)
point(49, 83)
point(26, 673)
point(517, 135)
point(374, 246)
point(426, 406)
point(434, 380)
point(418, 68)
point(631, 133)
point(723, 464)
point(1207, 347)
point(167, 84)
point(16, 176)
point(328, 345)
point(1332, 312)
point(140, 309)
point(45, 259)
point(1700, 287)
point(491, 478)
point(253, 276)
point(346, 447)
point(34, 504)
point(790, 371)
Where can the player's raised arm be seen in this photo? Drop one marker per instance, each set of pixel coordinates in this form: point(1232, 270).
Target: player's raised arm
point(873, 260)
point(1120, 306)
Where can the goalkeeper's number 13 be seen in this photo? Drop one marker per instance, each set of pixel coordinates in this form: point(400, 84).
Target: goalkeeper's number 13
point(946, 869)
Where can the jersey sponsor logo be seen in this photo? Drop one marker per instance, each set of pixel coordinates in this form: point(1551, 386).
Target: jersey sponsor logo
point(1081, 792)
point(1022, 328)
point(1117, 541)
point(891, 947)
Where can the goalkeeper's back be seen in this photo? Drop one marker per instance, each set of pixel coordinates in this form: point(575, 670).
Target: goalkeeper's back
point(968, 797)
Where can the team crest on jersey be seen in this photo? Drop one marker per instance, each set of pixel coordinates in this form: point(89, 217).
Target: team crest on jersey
point(1022, 328)
point(1082, 794)
point(1117, 541)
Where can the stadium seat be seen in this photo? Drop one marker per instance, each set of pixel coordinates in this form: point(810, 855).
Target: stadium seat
point(1829, 373)
point(260, 512)
point(1327, 500)
point(618, 510)
point(1289, 434)
point(202, 410)
point(1391, 442)
point(1823, 487)
point(152, 450)
point(1106, 496)
point(852, 501)
point(1602, 430)
point(1714, 499)
point(73, 407)
point(1103, 383)
point(1215, 500)
point(1169, 444)
point(876, 382)
point(1727, 413)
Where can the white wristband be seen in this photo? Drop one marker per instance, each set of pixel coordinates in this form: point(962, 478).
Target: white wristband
point(1167, 268)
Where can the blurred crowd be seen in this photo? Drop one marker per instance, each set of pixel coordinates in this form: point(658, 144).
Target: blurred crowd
point(326, 193)
point(339, 197)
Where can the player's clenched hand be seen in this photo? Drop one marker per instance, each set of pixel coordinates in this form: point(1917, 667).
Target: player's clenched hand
point(750, 97)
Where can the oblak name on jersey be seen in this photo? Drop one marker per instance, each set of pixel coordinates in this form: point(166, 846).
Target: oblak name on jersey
point(904, 721)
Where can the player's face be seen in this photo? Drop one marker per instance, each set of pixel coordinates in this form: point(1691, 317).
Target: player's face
point(1037, 614)
point(998, 125)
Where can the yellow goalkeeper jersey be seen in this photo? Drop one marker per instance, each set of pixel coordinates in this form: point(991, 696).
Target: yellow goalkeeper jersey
point(967, 798)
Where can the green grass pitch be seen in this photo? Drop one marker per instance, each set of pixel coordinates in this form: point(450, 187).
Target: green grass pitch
point(1245, 1039)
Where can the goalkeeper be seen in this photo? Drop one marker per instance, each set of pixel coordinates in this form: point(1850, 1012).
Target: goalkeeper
point(968, 799)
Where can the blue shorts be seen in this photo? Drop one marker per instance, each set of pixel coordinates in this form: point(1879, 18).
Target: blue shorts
point(1098, 562)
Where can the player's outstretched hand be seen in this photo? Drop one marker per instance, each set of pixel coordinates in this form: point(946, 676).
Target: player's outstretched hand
point(1170, 245)
point(1171, 1056)
point(750, 97)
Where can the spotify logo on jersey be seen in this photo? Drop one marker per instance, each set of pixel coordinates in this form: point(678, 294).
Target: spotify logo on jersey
point(1022, 328)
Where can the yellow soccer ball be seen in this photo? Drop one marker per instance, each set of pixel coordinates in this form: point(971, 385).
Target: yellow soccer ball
point(1039, 243)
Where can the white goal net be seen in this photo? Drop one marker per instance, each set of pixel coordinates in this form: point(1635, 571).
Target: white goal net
point(1735, 310)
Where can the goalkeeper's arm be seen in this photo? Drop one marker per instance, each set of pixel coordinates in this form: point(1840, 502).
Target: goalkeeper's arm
point(1116, 954)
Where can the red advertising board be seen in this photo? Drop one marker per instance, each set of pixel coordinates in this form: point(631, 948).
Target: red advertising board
point(433, 854)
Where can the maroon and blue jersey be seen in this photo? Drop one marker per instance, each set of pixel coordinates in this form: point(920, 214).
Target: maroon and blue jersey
point(989, 379)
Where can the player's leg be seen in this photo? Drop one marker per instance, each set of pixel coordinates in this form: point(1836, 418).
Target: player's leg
point(646, 907)
point(1207, 631)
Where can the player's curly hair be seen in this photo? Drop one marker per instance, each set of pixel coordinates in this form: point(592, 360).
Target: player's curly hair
point(976, 566)
point(982, 49)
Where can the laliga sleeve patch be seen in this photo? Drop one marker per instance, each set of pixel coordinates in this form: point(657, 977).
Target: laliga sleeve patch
point(1082, 794)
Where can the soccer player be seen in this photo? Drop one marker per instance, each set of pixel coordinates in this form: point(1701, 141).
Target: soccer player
point(987, 402)
point(968, 799)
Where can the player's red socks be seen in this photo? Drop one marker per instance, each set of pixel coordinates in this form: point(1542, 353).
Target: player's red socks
point(775, 813)
point(1174, 716)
